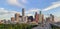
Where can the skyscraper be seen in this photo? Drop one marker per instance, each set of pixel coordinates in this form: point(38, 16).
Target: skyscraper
point(30, 18)
point(12, 19)
point(25, 19)
point(48, 19)
point(51, 17)
point(40, 17)
point(17, 17)
point(36, 17)
point(23, 14)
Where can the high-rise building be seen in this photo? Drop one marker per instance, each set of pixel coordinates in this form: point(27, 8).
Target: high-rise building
point(25, 19)
point(40, 17)
point(12, 19)
point(17, 18)
point(36, 17)
point(20, 18)
point(51, 17)
point(48, 19)
point(30, 18)
point(23, 14)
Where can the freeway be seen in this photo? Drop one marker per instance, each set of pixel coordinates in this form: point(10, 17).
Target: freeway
point(45, 26)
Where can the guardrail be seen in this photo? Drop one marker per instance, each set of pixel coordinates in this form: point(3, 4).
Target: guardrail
point(55, 24)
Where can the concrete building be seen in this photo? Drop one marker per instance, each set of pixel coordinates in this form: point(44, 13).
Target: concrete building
point(20, 20)
point(40, 17)
point(36, 17)
point(25, 19)
point(48, 19)
point(30, 18)
point(12, 19)
point(23, 14)
point(17, 17)
point(52, 17)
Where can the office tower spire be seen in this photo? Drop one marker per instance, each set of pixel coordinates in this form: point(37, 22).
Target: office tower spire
point(23, 12)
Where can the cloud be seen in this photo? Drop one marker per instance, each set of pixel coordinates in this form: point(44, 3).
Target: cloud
point(24, 1)
point(4, 11)
point(54, 5)
point(33, 10)
point(15, 2)
point(29, 14)
point(5, 14)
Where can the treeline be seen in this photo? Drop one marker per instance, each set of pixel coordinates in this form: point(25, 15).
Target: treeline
point(16, 26)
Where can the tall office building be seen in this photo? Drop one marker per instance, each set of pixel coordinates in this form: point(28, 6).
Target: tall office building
point(36, 17)
point(23, 10)
point(48, 19)
point(20, 18)
point(17, 18)
point(40, 17)
point(23, 14)
point(30, 18)
point(51, 17)
point(12, 19)
point(25, 19)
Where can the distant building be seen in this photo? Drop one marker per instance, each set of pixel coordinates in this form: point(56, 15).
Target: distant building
point(4, 21)
point(48, 19)
point(30, 18)
point(25, 19)
point(12, 19)
point(23, 14)
point(40, 17)
point(51, 17)
point(8, 22)
point(20, 18)
point(36, 17)
point(17, 17)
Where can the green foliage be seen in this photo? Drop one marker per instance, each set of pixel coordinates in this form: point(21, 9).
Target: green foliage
point(15, 26)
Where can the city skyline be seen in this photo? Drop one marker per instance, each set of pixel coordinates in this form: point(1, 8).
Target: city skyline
point(9, 7)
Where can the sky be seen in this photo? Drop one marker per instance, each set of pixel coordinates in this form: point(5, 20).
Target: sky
point(9, 7)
